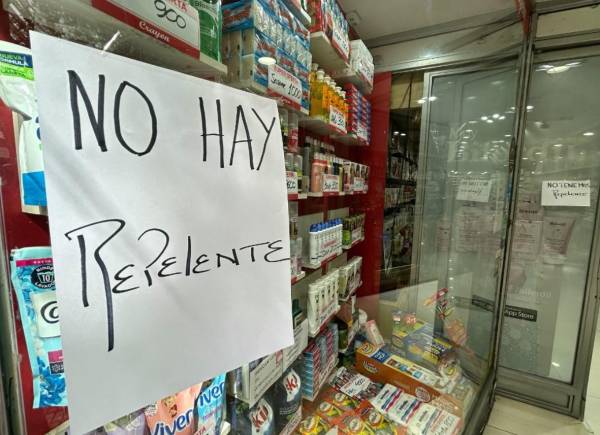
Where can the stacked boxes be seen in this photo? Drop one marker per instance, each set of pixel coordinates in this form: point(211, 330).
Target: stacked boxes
point(325, 15)
point(361, 61)
point(359, 114)
point(319, 359)
point(255, 29)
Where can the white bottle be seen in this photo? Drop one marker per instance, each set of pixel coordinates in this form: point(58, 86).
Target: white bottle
point(313, 244)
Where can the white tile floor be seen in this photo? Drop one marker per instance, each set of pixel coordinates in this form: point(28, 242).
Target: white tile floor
point(516, 418)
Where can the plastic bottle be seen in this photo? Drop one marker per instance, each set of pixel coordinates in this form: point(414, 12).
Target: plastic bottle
point(316, 97)
point(313, 244)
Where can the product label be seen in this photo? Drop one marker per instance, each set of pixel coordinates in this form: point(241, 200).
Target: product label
point(337, 119)
point(292, 182)
point(362, 132)
point(173, 22)
point(16, 65)
point(46, 313)
point(300, 342)
point(472, 189)
point(285, 85)
point(331, 183)
point(576, 193)
point(356, 234)
point(263, 376)
point(341, 42)
point(55, 359)
point(356, 385)
point(359, 185)
point(293, 140)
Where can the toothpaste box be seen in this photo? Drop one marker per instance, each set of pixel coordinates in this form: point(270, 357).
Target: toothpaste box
point(384, 367)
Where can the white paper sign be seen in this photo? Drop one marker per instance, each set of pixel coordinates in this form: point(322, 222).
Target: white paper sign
point(331, 183)
point(341, 41)
point(473, 189)
point(292, 182)
point(169, 226)
point(574, 193)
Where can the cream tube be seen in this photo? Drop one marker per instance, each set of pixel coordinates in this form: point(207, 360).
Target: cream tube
point(313, 306)
point(556, 237)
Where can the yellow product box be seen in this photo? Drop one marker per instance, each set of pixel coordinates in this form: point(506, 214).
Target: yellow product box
point(385, 367)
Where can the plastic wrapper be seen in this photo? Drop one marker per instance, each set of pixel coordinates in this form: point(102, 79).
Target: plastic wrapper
point(33, 281)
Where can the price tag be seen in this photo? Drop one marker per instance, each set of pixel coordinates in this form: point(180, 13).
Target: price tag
point(173, 22)
point(331, 183)
point(337, 119)
point(362, 132)
point(341, 42)
point(292, 183)
point(286, 86)
point(359, 185)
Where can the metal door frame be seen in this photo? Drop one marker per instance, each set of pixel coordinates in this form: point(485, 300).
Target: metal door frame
point(562, 397)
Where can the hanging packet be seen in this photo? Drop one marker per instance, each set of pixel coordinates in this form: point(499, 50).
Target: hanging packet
point(173, 414)
point(32, 274)
point(210, 406)
point(17, 91)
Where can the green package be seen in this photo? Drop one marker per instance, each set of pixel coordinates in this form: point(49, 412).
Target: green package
point(211, 22)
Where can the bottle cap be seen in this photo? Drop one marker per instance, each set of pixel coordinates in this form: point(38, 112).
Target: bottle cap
point(320, 75)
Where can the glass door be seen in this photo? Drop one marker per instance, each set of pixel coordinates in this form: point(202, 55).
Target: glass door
point(552, 275)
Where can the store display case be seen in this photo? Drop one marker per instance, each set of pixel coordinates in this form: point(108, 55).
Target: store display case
point(405, 266)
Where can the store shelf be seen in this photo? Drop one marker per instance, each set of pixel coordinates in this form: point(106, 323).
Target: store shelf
point(353, 244)
point(350, 139)
point(319, 126)
point(348, 75)
point(297, 196)
point(297, 10)
point(79, 21)
point(323, 380)
point(297, 278)
point(322, 194)
point(324, 54)
point(399, 182)
point(322, 263)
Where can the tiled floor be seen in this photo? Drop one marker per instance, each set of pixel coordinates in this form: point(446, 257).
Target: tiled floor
point(516, 418)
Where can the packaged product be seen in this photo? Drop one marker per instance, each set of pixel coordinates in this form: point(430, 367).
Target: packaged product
point(211, 24)
point(366, 420)
point(210, 406)
point(288, 398)
point(259, 419)
point(32, 274)
point(131, 424)
point(314, 425)
point(17, 91)
point(352, 384)
point(173, 414)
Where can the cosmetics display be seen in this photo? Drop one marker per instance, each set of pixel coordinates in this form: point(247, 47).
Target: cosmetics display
point(324, 242)
point(318, 361)
point(350, 278)
point(259, 33)
point(328, 102)
point(361, 61)
point(322, 301)
point(359, 113)
point(332, 175)
point(353, 230)
point(327, 17)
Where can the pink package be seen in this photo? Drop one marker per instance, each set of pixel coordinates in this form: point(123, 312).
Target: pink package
point(173, 414)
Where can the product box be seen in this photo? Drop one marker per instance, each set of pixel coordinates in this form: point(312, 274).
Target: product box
point(290, 354)
point(384, 367)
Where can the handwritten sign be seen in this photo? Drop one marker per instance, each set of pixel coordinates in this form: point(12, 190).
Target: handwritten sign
point(473, 189)
point(575, 193)
point(154, 182)
point(331, 183)
point(337, 119)
point(341, 42)
point(173, 22)
point(285, 85)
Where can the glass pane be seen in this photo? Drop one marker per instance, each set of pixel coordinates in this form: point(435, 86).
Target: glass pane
point(553, 236)
point(438, 291)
